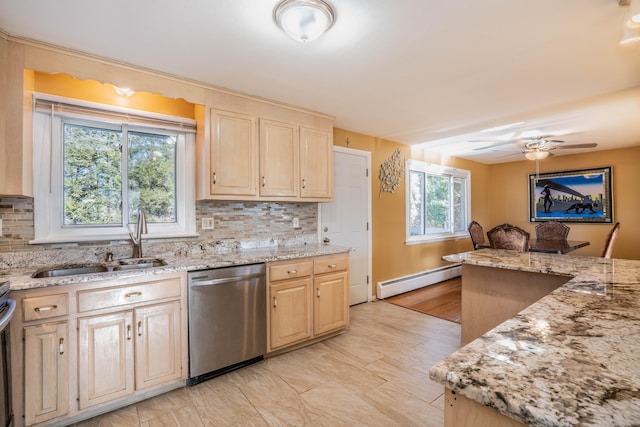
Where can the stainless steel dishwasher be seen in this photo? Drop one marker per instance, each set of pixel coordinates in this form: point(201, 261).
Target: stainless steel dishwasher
point(227, 320)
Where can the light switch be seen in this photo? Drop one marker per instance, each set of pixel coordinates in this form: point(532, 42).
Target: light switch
point(207, 223)
point(296, 222)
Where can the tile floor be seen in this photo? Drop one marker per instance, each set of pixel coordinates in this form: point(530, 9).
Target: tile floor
point(375, 374)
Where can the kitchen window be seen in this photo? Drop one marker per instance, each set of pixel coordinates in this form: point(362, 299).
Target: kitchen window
point(96, 167)
point(438, 202)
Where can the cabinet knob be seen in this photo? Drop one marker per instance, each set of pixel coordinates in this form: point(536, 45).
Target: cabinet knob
point(331, 266)
point(128, 332)
point(304, 184)
point(275, 302)
point(215, 178)
point(264, 181)
point(139, 328)
point(132, 294)
point(61, 346)
point(292, 271)
point(318, 292)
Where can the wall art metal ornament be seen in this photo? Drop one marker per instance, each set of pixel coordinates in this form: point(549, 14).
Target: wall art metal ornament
point(391, 173)
point(572, 196)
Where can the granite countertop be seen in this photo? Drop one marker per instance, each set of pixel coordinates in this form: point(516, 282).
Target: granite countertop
point(20, 278)
point(572, 358)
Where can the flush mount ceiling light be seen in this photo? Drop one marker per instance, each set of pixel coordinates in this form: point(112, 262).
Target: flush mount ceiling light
point(304, 20)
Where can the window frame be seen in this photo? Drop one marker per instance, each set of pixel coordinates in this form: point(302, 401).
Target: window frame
point(441, 171)
point(48, 176)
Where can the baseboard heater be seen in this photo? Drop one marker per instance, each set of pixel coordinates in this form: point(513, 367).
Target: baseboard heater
point(399, 285)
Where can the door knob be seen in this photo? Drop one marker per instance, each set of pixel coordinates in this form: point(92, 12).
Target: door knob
point(326, 240)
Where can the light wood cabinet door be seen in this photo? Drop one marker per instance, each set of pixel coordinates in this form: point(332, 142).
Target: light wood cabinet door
point(279, 154)
point(316, 164)
point(105, 359)
point(290, 312)
point(331, 304)
point(233, 154)
point(46, 372)
point(158, 344)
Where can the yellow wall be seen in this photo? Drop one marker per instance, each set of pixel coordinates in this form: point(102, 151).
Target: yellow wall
point(391, 257)
point(507, 197)
point(105, 93)
point(499, 193)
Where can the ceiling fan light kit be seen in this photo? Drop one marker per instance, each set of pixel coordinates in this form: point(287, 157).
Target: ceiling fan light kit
point(304, 20)
point(536, 154)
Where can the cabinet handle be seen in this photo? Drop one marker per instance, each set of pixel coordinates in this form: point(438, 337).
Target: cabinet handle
point(215, 178)
point(264, 181)
point(331, 266)
point(139, 328)
point(61, 346)
point(132, 294)
point(304, 184)
point(318, 292)
point(128, 332)
point(46, 308)
point(275, 302)
point(292, 271)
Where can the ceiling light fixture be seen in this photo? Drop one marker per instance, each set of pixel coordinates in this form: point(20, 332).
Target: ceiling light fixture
point(633, 16)
point(536, 154)
point(304, 20)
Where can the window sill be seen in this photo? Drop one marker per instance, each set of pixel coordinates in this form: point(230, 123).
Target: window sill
point(423, 240)
point(101, 238)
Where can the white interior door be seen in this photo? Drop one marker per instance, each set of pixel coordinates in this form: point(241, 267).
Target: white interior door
point(347, 220)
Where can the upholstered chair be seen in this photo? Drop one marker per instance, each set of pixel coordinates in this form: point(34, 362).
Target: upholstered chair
point(477, 234)
point(507, 236)
point(607, 251)
point(552, 230)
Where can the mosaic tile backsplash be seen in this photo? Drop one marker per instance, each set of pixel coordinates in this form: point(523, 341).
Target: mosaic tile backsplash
point(236, 225)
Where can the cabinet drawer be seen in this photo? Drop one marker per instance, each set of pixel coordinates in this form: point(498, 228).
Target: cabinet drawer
point(123, 295)
point(290, 271)
point(331, 263)
point(45, 307)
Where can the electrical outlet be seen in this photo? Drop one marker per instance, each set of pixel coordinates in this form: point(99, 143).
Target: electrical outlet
point(296, 222)
point(207, 223)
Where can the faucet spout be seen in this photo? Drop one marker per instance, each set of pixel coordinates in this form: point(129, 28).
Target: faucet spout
point(141, 227)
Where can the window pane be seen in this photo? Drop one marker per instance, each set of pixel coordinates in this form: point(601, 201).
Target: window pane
point(437, 204)
point(416, 204)
point(459, 221)
point(152, 176)
point(92, 183)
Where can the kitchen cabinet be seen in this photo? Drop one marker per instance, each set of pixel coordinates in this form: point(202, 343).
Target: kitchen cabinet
point(307, 299)
point(84, 348)
point(259, 151)
point(46, 373)
point(113, 346)
point(233, 154)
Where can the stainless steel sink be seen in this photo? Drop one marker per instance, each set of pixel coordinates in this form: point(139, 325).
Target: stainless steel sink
point(76, 269)
point(136, 263)
point(70, 270)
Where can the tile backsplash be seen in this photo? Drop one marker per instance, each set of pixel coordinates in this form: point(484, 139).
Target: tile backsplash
point(236, 224)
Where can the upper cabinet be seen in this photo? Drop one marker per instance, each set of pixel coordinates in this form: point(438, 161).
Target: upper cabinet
point(258, 150)
point(15, 122)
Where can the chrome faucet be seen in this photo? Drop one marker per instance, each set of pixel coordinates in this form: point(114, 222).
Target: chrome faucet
point(141, 227)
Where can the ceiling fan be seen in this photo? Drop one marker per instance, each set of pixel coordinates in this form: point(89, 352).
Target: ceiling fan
point(537, 147)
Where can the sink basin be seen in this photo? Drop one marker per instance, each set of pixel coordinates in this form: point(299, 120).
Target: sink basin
point(135, 263)
point(69, 270)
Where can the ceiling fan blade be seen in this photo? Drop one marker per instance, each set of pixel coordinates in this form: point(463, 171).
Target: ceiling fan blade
point(590, 145)
point(498, 144)
point(556, 140)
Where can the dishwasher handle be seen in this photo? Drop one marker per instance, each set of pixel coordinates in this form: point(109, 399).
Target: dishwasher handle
point(223, 280)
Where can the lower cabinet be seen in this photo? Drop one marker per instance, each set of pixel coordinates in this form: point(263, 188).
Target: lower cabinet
point(114, 346)
point(46, 371)
point(86, 348)
point(307, 299)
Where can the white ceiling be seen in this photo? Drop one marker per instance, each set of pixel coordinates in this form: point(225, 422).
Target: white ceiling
point(411, 71)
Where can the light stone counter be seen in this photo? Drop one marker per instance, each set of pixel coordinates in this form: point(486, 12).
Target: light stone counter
point(572, 358)
point(20, 276)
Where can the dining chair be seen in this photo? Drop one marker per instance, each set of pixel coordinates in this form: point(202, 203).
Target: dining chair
point(477, 234)
point(552, 230)
point(610, 241)
point(507, 236)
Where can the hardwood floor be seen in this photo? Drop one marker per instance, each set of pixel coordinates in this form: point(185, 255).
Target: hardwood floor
point(442, 300)
point(375, 374)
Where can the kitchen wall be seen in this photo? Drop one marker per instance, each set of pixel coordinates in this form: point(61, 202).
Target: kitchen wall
point(391, 257)
point(507, 197)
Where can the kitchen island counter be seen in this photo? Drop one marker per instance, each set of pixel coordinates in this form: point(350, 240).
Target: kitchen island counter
point(21, 279)
point(570, 358)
